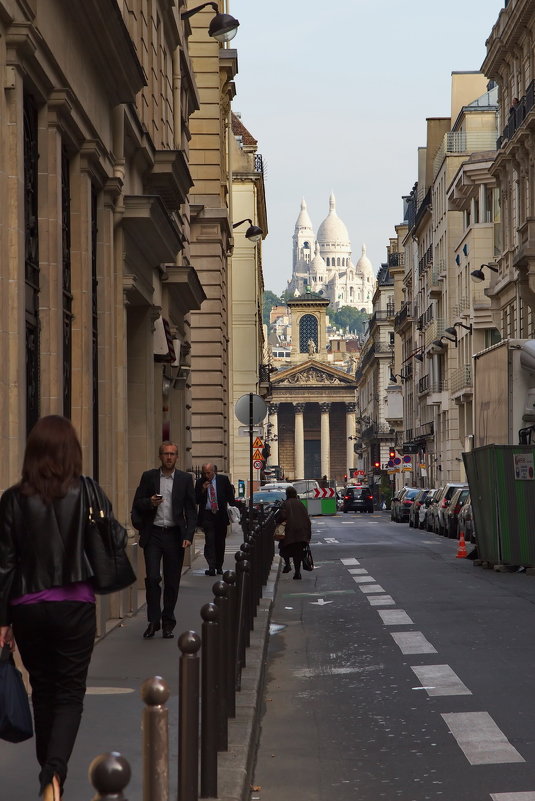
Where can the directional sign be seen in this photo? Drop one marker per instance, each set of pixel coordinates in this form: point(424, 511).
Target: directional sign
point(258, 443)
point(257, 456)
point(326, 492)
point(243, 431)
point(258, 464)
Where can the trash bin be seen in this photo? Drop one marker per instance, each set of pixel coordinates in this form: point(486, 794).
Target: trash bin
point(502, 492)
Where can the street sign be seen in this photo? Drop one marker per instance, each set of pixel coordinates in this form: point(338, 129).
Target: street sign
point(325, 492)
point(397, 461)
point(258, 443)
point(243, 431)
point(257, 456)
point(242, 409)
point(257, 464)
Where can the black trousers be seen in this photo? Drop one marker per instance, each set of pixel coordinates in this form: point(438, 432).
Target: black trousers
point(55, 640)
point(163, 554)
point(215, 533)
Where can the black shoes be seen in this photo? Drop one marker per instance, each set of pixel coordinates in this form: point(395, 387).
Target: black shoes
point(210, 572)
point(287, 567)
point(167, 633)
point(151, 630)
point(297, 575)
point(219, 571)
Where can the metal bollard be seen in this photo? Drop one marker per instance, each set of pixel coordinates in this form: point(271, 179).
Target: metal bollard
point(220, 590)
point(248, 550)
point(109, 774)
point(243, 623)
point(209, 692)
point(189, 643)
point(155, 692)
point(229, 577)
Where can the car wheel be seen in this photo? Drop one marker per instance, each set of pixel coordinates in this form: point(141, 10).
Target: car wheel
point(344, 511)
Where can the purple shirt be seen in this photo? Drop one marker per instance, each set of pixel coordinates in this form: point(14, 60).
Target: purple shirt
point(77, 591)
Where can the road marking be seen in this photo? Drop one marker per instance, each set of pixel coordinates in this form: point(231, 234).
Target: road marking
point(326, 670)
point(480, 739)
point(318, 594)
point(320, 602)
point(371, 588)
point(348, 562)
point(395, 617)
point(381, 600)
point(331, 539)
point(363, 579)
point(412, 642)
point(439, 680)
point(357, 571)
point(527, 796)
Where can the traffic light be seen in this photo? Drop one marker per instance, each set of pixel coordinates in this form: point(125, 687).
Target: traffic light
point(392, 453)
point(377, 465)
point(345, 478)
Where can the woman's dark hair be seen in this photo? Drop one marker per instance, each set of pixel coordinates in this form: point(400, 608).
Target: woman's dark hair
point(291, 492)
point(52, 459)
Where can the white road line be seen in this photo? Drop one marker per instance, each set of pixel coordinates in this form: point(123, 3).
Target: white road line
point(363, 579)
point(395, 617)
point(330, 539)
point(527, 796)
point(412, 642)
point(357, 571)
point(381, 600)
point(371, 588)
point(440, 680)
point(348, 562)
point(480, 739)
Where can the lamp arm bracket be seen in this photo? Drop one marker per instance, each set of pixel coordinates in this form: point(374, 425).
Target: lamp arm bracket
point(192, 11)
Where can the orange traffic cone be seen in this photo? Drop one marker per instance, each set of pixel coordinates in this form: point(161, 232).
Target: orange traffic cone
point(462, 553)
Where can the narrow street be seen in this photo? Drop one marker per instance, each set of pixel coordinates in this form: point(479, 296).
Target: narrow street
point(397, 671)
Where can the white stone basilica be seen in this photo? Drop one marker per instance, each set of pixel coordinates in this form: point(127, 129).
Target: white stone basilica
point(323, 263)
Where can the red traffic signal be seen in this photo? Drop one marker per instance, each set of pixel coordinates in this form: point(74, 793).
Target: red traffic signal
point(377, 465)
point(392, 453)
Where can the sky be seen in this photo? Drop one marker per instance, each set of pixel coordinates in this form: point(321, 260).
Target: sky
point(337, 93)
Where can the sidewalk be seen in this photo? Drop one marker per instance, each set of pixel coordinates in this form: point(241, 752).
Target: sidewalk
point(121, 661)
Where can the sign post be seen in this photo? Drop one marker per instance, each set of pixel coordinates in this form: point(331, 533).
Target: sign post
point(251, 410)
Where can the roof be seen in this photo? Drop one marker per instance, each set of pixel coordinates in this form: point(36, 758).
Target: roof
point(239, 129)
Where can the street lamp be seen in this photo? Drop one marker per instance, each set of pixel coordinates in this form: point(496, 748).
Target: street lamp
point(223, 27)
point(478, 275)
point(253, 233)
point(438, 342)
point(451, 330)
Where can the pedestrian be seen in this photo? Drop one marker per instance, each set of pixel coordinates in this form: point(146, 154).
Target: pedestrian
point(214, 493)
point(298, 531)
point(47, 602)
point(163, 511)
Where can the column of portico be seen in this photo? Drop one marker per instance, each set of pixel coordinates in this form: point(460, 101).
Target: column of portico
point(273, 422)
point(350, 432)
point(325, 440)
point(299, 441)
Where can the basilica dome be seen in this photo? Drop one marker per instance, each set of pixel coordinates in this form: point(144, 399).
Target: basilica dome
point(364, 265)
point(332, 230)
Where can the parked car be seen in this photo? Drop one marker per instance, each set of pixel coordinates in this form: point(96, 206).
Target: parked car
point(452, 512)
point(465, 521)
point(441, 504)
point(402, 505)
point(266, 500)
point(396, 498)
point(414, 511)
point(358, 499)
point(423, 511)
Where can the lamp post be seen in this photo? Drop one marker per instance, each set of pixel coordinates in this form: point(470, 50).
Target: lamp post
point(478, 275)
point(223, 27)
point(253, 233)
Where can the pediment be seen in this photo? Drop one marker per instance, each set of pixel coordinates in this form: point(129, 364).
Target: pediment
point(313, 373)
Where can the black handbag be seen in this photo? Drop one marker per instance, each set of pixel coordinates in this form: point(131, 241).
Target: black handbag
point(105, 543)
point(15, 716)
point(308, 561)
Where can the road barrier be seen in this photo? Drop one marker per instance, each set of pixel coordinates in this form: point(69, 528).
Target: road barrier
point(210, 668)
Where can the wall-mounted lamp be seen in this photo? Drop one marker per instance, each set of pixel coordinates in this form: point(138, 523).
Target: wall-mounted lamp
point(253, 233)
point(394, 377)
point(223, 27)
point(438, 342)
point(451, 330)
point(478, 275)
point(419, 356)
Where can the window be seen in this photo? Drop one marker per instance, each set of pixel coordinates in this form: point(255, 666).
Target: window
point(308, 330)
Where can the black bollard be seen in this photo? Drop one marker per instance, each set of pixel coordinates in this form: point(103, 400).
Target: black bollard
point(220, 590)
point(109, 774)
point(155, 692)
point(243, 623)
point(249, 551)
point(189, 643)
point(209, 693)
point(229, 577)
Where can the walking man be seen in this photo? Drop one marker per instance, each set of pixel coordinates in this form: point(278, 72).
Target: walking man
point(164, 513)
point(213, 494)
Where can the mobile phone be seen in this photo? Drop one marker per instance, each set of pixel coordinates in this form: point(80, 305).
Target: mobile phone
point(158, 496)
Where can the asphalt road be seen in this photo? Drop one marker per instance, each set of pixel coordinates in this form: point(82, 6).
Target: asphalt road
point(397, 671)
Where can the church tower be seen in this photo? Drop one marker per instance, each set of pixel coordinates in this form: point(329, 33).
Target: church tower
point(303, 241)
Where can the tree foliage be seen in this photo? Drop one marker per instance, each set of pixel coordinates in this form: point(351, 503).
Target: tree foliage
point(270, 300)
point(349, 319)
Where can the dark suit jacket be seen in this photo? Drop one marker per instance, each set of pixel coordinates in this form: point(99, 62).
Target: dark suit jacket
point(183, 501)
point(225, 496)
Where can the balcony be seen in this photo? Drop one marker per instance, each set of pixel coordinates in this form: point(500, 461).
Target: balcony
point(435, 331)
point(396, 260)
point(376, 431)
point(517, 116)
point(423, 385)
point(425, 431)
point(457, 142)
point(381, 316)
point(426, 260)
point(461, 380)
point(403, 317)
point(461, 308)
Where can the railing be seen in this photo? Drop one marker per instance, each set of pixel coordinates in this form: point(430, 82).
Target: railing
point(461, 307)
point(376, 430)
point(404, 314)
point(461, 378)
point(425, 430)
point(426, 260)
point(381, 315)
point(423, 384)
point(463, 142)
point(517, 115)
point(434, 331)
point(425, 318)
point(210, 669)
point(259, 163)
point(407, 370)
point(426, 385)
point(396, 259)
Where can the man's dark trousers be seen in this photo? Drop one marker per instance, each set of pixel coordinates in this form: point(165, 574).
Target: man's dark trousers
point(164, 547)
point(215, 532)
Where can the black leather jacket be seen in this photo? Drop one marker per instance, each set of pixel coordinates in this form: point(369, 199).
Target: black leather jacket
point(40, 546)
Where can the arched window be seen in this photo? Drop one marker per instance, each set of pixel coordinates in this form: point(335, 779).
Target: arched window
point(308, 329)
point(338, 262)
point(328, 262)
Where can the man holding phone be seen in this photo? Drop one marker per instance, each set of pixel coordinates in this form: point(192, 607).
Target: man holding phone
point(164, 513)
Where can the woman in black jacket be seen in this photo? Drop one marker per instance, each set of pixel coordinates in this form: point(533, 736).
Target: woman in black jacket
point(47, 602)
point(298, 529)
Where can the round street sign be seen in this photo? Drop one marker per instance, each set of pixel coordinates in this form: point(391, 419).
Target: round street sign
point(407, 459)
point(397, 460)
point(257, 464)
point(390, 463)
point(242, 409)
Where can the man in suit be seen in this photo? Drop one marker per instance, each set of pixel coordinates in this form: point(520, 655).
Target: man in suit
point(213, 494)
point(164, 513)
